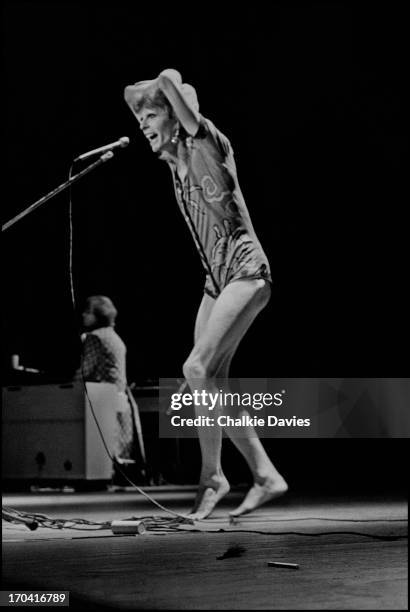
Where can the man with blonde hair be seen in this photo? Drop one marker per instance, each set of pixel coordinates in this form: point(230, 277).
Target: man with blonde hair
point(238, 279)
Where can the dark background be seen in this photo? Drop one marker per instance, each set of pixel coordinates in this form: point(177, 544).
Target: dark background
point(312, 98)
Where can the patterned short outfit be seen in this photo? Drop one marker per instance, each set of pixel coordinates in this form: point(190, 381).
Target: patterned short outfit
point(213, 206)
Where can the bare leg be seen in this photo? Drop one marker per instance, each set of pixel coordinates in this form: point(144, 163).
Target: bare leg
point(228, 320)
point(268, 483)
point(212, 483)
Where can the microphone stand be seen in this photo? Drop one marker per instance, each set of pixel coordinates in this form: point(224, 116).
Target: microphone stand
point(57, 190)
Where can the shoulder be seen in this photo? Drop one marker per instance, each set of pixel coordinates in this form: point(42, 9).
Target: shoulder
point(207, 127)
point(208, 131)
point(111, 338)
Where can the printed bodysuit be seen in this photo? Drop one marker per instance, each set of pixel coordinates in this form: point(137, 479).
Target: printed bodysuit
point(213, 206)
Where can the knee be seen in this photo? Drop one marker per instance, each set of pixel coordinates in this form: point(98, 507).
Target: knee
point(193, 369)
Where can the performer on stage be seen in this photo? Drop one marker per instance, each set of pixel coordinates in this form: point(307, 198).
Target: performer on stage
point(237, 271)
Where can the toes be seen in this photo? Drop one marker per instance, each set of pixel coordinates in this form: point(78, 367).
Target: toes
point(257, 496)
point(240, 511)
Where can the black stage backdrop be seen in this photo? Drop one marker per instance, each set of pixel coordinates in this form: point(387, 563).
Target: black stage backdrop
point(311, 97)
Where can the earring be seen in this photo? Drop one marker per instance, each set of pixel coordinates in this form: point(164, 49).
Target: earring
point(175, 137)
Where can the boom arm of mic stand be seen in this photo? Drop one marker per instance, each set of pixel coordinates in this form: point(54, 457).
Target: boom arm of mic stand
point(57, 190)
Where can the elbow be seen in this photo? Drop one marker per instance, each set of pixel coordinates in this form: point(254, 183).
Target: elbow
point(170, 75)
point(165, 83)
point(161, 81)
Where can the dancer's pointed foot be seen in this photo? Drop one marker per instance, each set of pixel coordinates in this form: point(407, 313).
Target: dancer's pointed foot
point(210, 492)
point(262, 492)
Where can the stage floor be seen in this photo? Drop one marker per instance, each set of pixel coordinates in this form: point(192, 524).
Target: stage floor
point(351, 552)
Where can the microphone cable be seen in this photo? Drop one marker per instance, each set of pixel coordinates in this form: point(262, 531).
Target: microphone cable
point(73, 301)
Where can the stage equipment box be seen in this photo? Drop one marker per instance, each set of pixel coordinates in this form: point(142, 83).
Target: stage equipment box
point(49, 431)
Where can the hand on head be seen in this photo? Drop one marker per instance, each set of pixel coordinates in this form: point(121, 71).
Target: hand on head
point(149, 86)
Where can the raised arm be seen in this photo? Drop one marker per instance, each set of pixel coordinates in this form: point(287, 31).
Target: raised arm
point(182, 98)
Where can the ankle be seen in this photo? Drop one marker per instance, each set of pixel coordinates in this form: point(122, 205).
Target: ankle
point(213, 479)
point(211, 473)
point(265, 476)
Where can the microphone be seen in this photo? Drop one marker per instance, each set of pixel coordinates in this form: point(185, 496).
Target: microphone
point(121, 142)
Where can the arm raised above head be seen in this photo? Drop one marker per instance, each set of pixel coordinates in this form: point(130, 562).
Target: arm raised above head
point(182, 98)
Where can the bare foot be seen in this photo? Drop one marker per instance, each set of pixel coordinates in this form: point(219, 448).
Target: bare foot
point(260, 493)
point(209, 494)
